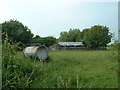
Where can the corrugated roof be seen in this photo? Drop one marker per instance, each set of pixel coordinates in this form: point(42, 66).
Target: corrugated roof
point(70, 43)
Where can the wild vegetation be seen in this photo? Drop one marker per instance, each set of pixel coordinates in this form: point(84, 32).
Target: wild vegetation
point(17, 32)
point(94, 37)
point(16, 72)
point(48, 41)
point(67, 69)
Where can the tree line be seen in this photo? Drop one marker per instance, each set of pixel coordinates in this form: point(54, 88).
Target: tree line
point(17, 32)
point(94, 37)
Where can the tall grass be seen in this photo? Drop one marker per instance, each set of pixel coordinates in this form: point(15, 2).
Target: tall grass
point(67, 69)
point(16, 72)
point(77, 69)
point(84, 68)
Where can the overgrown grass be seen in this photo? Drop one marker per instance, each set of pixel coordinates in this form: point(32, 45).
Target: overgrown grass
point(75, 68)
point(16, 72)
point(67, 69)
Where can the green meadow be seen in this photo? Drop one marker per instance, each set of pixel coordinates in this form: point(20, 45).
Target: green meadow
point(88, 68)
point(79, 69)
point(66, 69)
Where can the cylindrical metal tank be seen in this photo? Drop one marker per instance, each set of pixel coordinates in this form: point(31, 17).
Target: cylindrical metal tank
point(39, 51)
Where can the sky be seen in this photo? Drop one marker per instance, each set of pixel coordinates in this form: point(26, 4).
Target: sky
point(50, 17)
point(119, 21)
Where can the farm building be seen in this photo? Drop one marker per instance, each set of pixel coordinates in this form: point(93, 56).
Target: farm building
point(71, 44)
point(67, 45)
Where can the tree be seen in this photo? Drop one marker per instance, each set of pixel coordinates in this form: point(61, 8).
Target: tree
point(48, 41)
point(97, 36)
point(36, 37)
point(84, 32)
point(119, 36)
point(73, 35)
point(63, 37)
point(16, 31)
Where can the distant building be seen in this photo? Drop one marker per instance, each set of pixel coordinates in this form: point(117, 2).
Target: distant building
point(67, 45)
point(71, 44)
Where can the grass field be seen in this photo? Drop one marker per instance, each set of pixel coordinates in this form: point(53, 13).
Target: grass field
point(74, 69)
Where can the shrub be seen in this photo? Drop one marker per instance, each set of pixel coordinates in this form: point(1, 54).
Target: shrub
point(16, 72)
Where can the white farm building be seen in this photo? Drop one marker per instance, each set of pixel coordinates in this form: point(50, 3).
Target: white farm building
point(74, 44)
point(67, 45)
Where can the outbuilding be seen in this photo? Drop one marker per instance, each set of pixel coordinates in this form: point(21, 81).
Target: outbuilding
point(67, 45)
point(74, 44)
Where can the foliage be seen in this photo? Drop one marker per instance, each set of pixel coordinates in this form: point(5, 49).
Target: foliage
point(36, 37)
point(16, 31)
point(64, 37)
point(97, 36)
point(67, 69)
point(48, 41)
point(77, 69)
point(17, 72)
point(84, 31)
point(94, 37)
point(73, 35)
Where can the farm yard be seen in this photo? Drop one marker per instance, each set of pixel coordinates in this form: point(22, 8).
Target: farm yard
point(67, 69)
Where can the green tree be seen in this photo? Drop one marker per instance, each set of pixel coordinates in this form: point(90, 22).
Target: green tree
point(84, 32)
point(36, 37)
point(64, 37)
point(73, 35)
point(16, 31)
point(97, 36)
point(48, 41)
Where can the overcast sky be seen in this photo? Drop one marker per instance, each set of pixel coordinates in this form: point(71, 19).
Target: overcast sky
point(50, 17)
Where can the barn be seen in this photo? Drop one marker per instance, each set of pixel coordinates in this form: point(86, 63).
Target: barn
point(71, 44)
point(67, 45)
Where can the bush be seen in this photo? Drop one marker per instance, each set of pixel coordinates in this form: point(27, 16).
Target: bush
point(16, 73)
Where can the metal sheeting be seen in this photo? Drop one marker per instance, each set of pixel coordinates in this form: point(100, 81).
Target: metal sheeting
point(39, 51)
point(70, 43)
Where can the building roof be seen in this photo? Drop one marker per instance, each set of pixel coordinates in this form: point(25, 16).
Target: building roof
point(70, 43)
